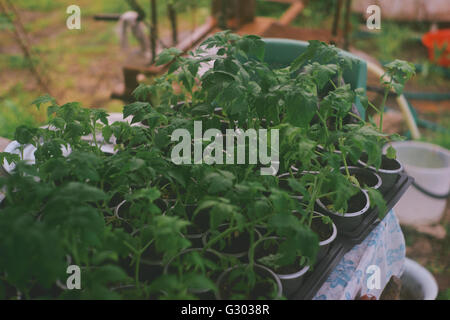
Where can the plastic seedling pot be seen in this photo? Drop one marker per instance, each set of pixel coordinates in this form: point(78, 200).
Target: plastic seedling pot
point(151, 265)
point(199, 225)
point(284, 185)
point(325, 244)
point(327, 234)
point(291, 276)
point(364, 176)
point(389, 171)
point(429, 165)
point(359, 205)
point(223, 283)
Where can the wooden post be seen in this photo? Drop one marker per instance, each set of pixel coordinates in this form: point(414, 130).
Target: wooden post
point(153, 29)
point(223, 15)
point(173, 21)
point(348, 6)
point(233, 13)
point(337, 16)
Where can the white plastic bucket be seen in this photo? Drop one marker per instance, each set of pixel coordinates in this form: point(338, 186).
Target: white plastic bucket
point(429, 165)
point(418, 282)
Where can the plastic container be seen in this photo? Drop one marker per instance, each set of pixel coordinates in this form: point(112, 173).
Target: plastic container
point(281, 53)
point(349, 221)
point(345, 241)
point(429, 165)
point(388, 172)
point(290, 281)
point(262, 271)
point(417, 283)
point(436, 40)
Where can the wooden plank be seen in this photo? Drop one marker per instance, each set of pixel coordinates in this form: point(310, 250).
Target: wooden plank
point(277, 30)
point(282, 1)
point(292, 13)
point(233, 14)
point(197, 35)
point(131, 72)
point(107, 17)
point(257, 27)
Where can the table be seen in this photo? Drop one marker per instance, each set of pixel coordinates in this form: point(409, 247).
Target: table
point(383, 251)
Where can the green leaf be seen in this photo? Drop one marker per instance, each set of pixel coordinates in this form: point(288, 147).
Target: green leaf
point(301, 108)
point(24, 134)
point(8, 157)
point(107, 133)
point(167, 55)
point(400, 71)
point(321, 73)
point(361, 94)
point(43, 99)
point(377, 201)
point(391, 153)
point(82, 192)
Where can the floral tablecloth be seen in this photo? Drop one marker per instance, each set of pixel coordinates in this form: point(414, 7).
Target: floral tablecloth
point(381, 254)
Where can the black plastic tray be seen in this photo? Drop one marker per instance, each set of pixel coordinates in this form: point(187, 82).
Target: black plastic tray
point(346, 241)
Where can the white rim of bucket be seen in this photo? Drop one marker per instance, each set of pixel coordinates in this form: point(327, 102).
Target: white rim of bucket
point(424, 277)
point(377, 186)
point(349, 214)
point(427, 146)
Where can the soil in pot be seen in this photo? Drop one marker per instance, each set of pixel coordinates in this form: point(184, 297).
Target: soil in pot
point(151, 265)
point(234, 284)
point(199, 222)
point(283, 184)
point(389, 171)
point(327, 234)
point(116, 199)
point(324, 231)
